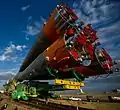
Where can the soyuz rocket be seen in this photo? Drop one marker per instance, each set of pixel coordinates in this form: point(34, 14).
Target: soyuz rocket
point(65, 49)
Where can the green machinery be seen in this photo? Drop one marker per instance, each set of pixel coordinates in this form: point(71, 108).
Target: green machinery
point(23, 92)
point(29, 89)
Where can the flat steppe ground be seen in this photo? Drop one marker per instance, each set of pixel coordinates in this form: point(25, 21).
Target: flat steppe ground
point(105, 105)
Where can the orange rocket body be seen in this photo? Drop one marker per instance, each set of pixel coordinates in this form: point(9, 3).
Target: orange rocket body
point(64, 46)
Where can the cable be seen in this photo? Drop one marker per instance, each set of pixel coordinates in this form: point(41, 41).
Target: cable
point(76, 76)
point(49, 71)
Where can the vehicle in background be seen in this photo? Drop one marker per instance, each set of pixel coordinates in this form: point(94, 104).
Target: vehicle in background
point(1, 91)
point(75, 99)
point(92, 99)
point(116, 90)
point(114, 99)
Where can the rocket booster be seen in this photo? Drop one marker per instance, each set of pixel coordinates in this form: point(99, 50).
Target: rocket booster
point(59, 19)
point(65, 49)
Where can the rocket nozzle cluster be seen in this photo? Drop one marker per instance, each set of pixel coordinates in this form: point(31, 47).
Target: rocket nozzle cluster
point(82, 43)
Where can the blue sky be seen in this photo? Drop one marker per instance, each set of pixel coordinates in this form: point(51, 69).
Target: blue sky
point(21, 21)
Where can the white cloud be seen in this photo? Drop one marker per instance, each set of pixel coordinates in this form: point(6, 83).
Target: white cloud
point(10, 48)
point(6, 74)
point(27, 38)
point(95, 11)
point(29, 18)
point(24, 8)
point(34, 28)
point(75, 5)
point(37, 24)
point(3, 57)
point(109, 34)
point(8, 71)
point(20, 47)
point(110, 29)
point(42, 19)
point(9, 52)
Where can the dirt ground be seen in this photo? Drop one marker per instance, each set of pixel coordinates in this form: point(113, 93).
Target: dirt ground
point(6, 103)
point(90, 105)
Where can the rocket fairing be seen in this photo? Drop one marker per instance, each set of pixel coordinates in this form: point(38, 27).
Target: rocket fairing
point(65, 49)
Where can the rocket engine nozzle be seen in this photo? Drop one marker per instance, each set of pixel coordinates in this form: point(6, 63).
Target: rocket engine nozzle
point(104, 59)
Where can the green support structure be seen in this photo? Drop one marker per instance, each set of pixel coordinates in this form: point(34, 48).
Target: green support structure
point(49, 71)
point(52, 73)
point(79, 78)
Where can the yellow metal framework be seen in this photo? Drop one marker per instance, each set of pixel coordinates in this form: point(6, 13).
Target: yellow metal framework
point(66, 82)
point(71, 87)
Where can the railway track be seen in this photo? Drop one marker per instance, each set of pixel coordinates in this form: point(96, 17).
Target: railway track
point(43, 105)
